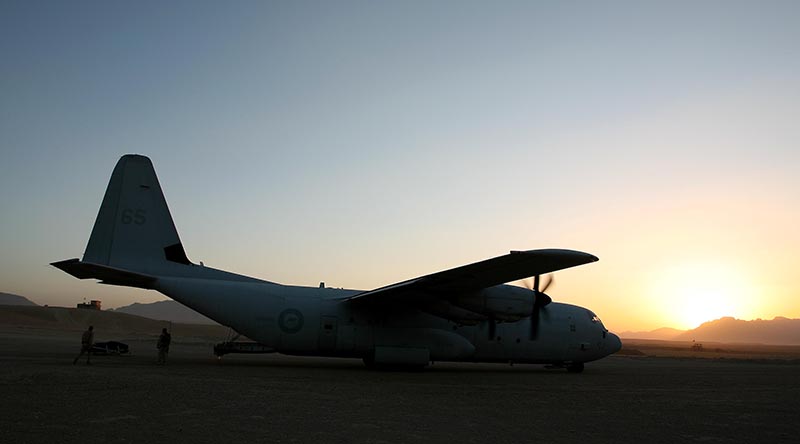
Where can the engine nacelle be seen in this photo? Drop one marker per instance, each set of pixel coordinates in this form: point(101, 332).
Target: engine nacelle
point(502, 302)
point(451, 312)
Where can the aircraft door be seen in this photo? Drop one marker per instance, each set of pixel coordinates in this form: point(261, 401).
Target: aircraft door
point(327, 333)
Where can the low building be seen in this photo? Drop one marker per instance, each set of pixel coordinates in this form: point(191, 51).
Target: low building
point(91, 305)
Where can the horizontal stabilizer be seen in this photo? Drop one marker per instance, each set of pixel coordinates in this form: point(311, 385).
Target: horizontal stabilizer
point(106, 274)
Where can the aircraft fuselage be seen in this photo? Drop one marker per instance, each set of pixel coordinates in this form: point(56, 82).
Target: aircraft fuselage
point(315, 321)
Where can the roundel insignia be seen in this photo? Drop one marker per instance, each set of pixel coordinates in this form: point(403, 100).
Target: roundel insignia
point(290, 320)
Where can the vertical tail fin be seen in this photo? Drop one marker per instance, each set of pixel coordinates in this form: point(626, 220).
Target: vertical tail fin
point(134, 241)
point(134, 229)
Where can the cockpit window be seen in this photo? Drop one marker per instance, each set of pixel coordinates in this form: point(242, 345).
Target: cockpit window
point(594, 318)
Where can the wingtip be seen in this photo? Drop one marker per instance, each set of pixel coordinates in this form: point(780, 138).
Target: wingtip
point(559, 252)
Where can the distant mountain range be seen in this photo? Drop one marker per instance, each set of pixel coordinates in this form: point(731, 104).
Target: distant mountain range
point(14, 299)
point(108, 324)
point(778, 331)
point(166, 311)
point(160, 311)
point(663, 333)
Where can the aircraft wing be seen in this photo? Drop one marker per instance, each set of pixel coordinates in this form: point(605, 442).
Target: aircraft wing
point(499, 270)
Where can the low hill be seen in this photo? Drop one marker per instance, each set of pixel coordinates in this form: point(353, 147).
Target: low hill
point(14, 299)
point(60, 319)
point(664, 333)
point(166, 311)
point(778, 331)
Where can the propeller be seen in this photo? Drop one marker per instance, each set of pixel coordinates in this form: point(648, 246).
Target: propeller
point(540, 300)
point(531, 284)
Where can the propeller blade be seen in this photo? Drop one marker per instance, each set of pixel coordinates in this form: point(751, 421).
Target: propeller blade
point(492, 327)
point(540, 300)
point(548, 283)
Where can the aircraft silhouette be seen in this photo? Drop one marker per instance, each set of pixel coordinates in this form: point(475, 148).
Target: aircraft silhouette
point(467, 313)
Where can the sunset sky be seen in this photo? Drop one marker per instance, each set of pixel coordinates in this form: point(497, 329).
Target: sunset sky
point(364, 143)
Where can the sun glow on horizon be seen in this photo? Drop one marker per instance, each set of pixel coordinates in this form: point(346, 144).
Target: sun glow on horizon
point(694, 293)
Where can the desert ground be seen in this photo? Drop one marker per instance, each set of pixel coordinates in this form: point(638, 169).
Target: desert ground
point(640, 395)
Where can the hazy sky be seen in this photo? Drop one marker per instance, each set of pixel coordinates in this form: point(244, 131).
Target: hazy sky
point(364, 143)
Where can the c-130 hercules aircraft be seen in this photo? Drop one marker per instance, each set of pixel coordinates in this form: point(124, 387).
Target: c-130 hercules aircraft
point(467, 313)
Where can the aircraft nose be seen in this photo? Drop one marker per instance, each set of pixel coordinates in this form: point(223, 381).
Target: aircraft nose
point(614, 343)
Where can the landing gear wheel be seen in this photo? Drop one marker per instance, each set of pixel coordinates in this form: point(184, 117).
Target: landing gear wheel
point(576, 367)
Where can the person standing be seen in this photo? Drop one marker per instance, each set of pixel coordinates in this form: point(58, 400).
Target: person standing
point(86, 345)
point(163, 346)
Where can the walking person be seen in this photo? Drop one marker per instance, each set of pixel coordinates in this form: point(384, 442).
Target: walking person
point(163, 346)
point(86, 345)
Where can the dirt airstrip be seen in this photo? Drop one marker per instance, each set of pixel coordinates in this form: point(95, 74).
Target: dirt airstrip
point(273, 398)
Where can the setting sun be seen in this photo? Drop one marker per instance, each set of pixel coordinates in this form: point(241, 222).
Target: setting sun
point(694, 293)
